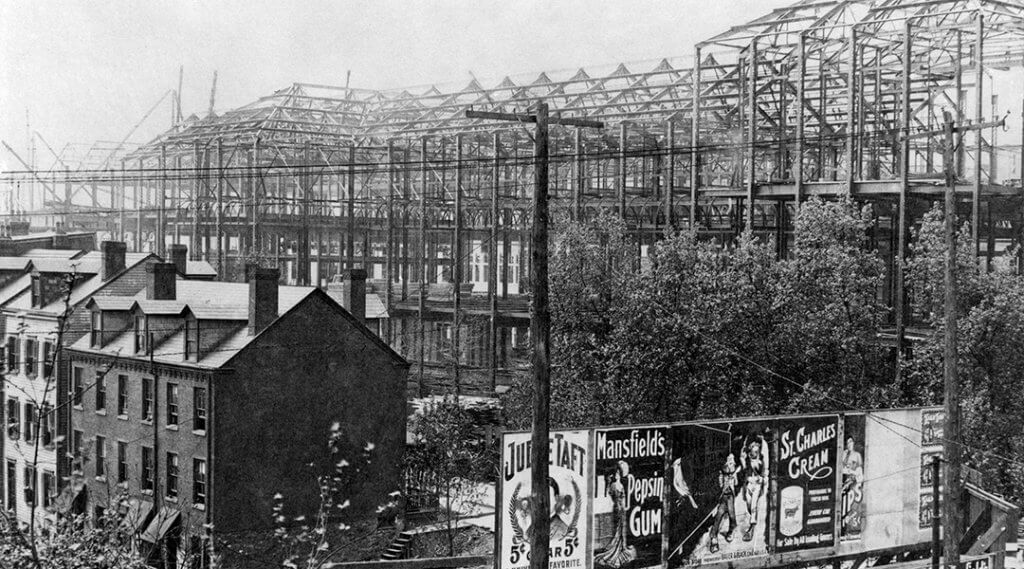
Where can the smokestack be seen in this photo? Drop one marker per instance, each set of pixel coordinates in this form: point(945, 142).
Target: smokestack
point(179, 256)
point(113, 258)
point(353, 293)
point(262, 298)
point(162, 281)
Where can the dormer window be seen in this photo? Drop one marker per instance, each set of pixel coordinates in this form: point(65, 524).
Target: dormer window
point(141, 337)
point(191, 339)
point(96, 332)
point(37, 291)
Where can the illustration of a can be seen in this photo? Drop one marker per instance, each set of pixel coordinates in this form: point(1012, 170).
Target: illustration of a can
point(791, 501)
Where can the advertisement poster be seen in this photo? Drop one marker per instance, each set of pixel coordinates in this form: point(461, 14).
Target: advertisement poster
point(718, 482)
point(629, 481)
point(931, 427)
point(925, 511)
point(926, 468)
point(852, 493)
point(568, 488)
point(807, 469)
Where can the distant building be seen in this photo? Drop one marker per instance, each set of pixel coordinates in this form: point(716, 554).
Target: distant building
point(15, 240)
point(195, 403)
point(32, 303)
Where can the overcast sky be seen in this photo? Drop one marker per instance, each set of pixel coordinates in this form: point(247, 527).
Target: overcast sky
point(89, 70)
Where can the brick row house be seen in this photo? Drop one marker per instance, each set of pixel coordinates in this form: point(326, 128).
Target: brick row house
point(197, 403)
point(32, 303)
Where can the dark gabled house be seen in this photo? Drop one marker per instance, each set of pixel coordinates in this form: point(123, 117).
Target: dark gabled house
point(196, 403)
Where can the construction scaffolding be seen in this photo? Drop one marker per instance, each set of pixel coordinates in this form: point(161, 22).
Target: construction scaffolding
point(822, 98)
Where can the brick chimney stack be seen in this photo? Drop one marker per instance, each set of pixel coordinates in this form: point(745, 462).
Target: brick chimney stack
point(179, 256)
point(161, 281)
point(353, 293)
point(113, 258)
point(262, 298)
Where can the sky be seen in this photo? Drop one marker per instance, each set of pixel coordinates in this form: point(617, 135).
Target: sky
point(90, 70)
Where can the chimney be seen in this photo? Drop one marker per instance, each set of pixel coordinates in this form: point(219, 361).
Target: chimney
point(161, 281)
point(353, 293)
point(179, 256)
point(113, 258)
point(262, 298)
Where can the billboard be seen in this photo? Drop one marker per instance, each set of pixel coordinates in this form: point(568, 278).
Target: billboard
point(568, 490)
point(741, 493)
point(851, 505)
point(807, 473)
point(719, 482)
point(629, 482)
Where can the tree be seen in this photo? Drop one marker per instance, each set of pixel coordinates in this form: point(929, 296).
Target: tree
point(990, 327)
point(709, 330)
point(448, 451)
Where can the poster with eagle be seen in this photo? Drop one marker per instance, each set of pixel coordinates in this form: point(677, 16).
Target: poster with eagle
point(568, 490)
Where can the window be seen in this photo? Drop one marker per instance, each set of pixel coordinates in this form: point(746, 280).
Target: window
point(191, 339)
point(49, 424)
point(30, 485)
point(76, 450)
point(172, 404)
point(49, 488)
point(30, 423)
point(13, 419)
point(122, 395)
point(140, 334)
point(199, 409)
point(198, 481)
point(101, 456)
point(48, 359)
point(31, 365)
point(122, 462)
point(172, 475)
point(147, 468)
point(76, 386)
point(96, 331)
point(147, 399)
point(100, 386)
point(12, 485)
point(12, 354)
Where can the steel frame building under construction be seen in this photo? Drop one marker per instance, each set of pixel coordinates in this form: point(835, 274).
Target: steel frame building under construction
point(821, 98)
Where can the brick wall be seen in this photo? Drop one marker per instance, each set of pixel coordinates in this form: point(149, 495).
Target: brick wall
point(273, 415)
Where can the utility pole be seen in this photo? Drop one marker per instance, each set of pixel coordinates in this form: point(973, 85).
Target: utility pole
point(936, 514)
point(540, 323)
point(952, 518)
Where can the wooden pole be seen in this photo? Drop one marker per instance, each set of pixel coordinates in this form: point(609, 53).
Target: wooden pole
point(936, 512)
point(951, 428)
point(539, 329)
point(901, 225)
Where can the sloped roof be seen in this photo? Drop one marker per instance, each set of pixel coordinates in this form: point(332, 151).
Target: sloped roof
point(215, 300)
point(14, 263)
point(199, 269)
point(53, 253)
point(84, 288)
point(375, 308)
point(226, 303)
